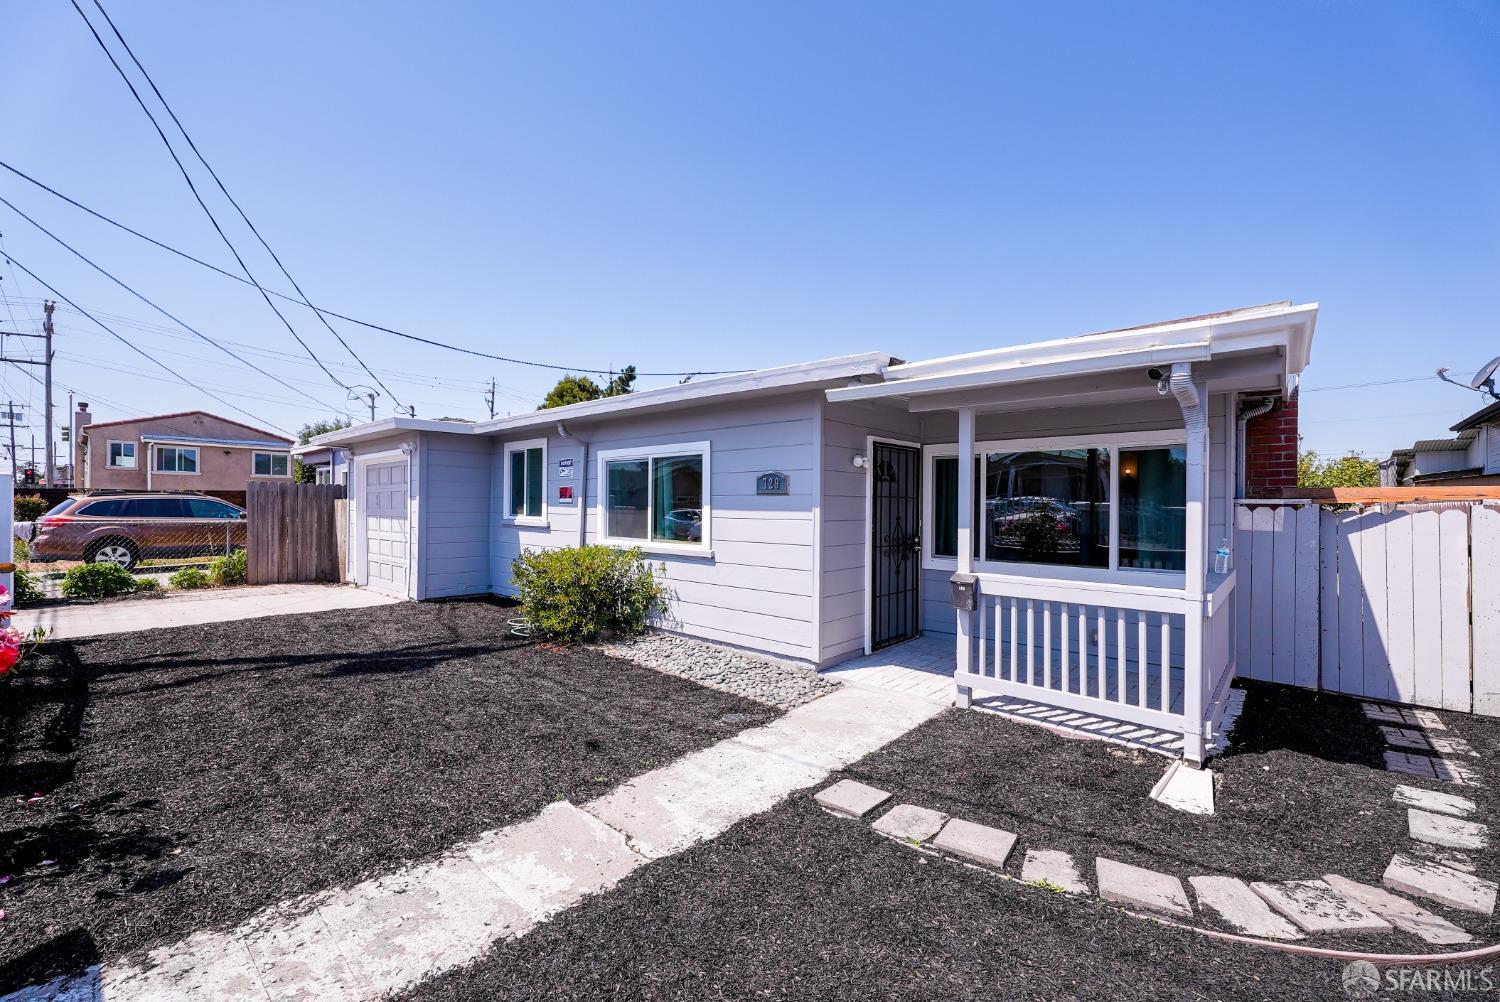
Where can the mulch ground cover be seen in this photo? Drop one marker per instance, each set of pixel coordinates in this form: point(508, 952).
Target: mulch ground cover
point(799, 904)
point(191, 776)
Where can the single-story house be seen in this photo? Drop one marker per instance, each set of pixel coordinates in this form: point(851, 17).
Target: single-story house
point(812, 512)
point(329, 465)
point(190, 450)
point(1471, 458)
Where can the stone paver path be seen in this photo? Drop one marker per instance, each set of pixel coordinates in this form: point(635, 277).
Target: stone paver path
point(1053, 868)
point(69, 622)
point(851, 799)
point(1432, 800)
point(909, 822)
point(1452, 833)
point(1400, 912)
point(1316, 907)
point(386, 934)
point(1442, 884)
point(1138, 887)
point(1241, 907)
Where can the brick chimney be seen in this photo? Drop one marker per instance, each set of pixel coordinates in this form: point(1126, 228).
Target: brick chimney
point(1271, 450)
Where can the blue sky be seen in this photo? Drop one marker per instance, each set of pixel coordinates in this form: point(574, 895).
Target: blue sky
point(712, 186)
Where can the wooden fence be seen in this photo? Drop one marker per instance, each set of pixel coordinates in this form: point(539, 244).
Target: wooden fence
point(292, 532)
point(1398, 602)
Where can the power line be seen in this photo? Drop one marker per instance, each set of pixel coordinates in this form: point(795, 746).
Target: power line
point(225, 191)
point(199, 198)
point(184, 324)
point(144, 354)
point(582, 369)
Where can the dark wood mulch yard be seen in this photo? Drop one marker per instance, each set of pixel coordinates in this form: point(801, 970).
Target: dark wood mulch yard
point(192, 776)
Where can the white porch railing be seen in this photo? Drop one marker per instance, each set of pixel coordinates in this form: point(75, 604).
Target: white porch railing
point(1154, 656)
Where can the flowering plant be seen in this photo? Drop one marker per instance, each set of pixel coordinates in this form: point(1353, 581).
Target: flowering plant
point(16, 644)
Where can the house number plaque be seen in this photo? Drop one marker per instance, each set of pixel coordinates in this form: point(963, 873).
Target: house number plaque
point(771, 483)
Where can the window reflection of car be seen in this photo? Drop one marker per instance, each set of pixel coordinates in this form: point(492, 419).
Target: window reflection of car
point(685, 524)
point(1007, 516)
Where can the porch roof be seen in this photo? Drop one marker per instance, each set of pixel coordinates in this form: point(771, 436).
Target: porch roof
point(1261, 347)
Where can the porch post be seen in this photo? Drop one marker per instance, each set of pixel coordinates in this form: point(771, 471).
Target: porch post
point(1193, 400)
point(963, 694)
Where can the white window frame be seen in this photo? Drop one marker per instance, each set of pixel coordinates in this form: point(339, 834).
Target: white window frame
point(523, 518)
point(135, 455)
point(702, 548)
point(256, 454)
point(197, 460)
point(1113, 443)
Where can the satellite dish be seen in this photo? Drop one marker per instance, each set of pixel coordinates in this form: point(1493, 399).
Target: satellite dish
point(1483, 381)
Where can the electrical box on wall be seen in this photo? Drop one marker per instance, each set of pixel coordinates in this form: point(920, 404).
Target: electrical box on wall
point(565, 494)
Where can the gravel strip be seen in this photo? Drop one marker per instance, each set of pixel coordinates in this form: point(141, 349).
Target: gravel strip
point(773, 683)
point(192, 776)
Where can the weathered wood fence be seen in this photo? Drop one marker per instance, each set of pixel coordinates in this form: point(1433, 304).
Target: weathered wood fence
point(1397, 601)
point(292, 532)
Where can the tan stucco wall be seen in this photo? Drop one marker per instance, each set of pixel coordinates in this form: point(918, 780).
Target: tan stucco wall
point(220, 468)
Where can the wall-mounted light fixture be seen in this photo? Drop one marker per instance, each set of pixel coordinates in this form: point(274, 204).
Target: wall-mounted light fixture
point(860, 461)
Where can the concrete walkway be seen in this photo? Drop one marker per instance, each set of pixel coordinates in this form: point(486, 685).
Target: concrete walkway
point(389, 933)
point(217, 605)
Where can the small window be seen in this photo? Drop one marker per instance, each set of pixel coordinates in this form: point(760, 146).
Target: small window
point(121, 455)
point(659, 497)
point(271, 464)
point(323, 475)
point(526, 480)
point(176, 459)
point(209, 508)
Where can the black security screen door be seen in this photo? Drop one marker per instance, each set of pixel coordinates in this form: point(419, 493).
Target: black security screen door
point(896, 544)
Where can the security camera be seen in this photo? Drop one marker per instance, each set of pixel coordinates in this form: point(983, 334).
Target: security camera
point(1155, 375)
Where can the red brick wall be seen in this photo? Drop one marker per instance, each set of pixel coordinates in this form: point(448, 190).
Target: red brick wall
point(1271, 450)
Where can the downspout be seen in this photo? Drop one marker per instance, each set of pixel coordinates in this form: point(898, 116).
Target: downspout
point(583, 481)
point(1246, 413)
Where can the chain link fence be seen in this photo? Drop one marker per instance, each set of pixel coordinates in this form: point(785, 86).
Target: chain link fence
point(151, 535)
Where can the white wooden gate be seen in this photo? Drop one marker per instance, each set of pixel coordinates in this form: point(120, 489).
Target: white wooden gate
point(1395, 602)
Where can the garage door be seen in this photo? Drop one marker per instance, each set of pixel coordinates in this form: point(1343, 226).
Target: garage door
point(387, 546)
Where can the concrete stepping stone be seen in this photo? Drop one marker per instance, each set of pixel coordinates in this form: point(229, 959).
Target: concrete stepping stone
point(910, 822)
point(1048, 866)
point(1451, 770)
point(1241, 907)
point(1446, 886)
point(1138, 887)
point(976, 843)
point(1432, 800)
point(1451, 858)
point(1399, 912)
point(1402, 737)
point(1316, 907)
point(851, 799)
point(1388, 714)
point(1439, 829)
point(1452, 746)
point(1425, 719)
point(1411, 765)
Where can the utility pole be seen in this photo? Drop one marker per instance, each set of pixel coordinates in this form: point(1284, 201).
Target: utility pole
point(489, 398)
point(10, 418)
point(47, 307)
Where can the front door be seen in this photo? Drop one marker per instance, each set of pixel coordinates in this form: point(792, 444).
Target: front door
point(895, 543)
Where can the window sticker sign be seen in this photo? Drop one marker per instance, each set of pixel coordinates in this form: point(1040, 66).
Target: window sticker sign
point(564, 469)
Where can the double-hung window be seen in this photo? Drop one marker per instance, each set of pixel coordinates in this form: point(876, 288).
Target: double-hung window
point(270, 464)
point(526, 481)
point(121, 455)
point(1086, 504)
point(655, 497)
point(176, 459)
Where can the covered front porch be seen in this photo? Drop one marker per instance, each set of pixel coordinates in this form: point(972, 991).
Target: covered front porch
point(1080, 581)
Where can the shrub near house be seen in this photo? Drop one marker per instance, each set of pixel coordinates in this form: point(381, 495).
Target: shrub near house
point(580, 593)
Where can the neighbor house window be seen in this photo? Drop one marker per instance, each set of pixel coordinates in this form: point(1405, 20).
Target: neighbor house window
point(526, 480)
point(1055, 505)
point(176, 459)
point(122, 455)
point(657, 496)
point(271, 464)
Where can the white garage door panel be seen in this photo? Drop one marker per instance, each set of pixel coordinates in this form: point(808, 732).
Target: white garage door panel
point(387, 541)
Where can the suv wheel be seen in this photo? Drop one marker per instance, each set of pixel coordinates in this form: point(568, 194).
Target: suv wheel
point(113, 551)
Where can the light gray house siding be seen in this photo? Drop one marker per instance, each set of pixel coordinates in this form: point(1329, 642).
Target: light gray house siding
point(454, 532)
point(756, 588)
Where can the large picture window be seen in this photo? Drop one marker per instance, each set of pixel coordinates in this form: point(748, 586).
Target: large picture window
point(526, 480)
point(1056, 506)
point(176, 459)
point(657, 496)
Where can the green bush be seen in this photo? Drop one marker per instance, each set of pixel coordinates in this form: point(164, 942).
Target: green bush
point(579, 593)
point(26, 590)
point(30, 507)
point(230, 570)
point(189, 578)
point(23, 551)
point(147, 584)
point(97, 581)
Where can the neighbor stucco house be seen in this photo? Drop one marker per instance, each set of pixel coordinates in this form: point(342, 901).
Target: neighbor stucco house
point(191, 450)
point(812, 512)
point(1471, 458)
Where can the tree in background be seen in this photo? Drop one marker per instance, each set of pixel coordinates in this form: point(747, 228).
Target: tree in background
point(301, 472)
point(571, 389)
point(1345, 471)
